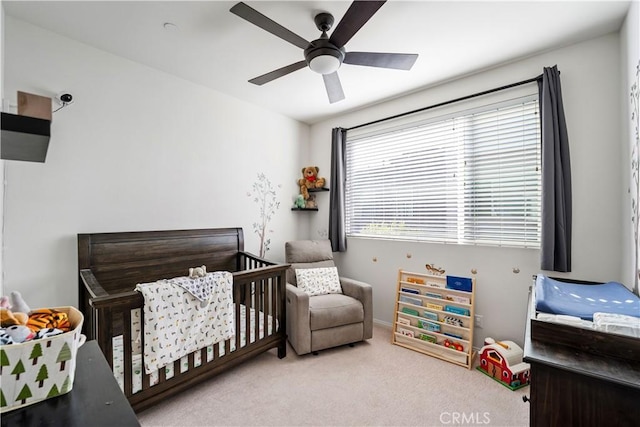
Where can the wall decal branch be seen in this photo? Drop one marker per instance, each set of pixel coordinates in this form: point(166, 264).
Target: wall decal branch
point(264, 195)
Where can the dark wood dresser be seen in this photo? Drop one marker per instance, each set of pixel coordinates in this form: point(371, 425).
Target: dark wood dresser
point(571, 386)
point(95, 400)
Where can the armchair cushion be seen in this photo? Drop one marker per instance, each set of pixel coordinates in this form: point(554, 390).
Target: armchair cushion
point(332, 310)
point(319, 281)
point(308, 251)
point(307, 254)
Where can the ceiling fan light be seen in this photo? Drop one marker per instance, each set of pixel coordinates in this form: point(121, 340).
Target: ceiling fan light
point(324, 64)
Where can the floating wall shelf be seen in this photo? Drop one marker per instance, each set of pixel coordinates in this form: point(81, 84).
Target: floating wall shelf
point(24, 138)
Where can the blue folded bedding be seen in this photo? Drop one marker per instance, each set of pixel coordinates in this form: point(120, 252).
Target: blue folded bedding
point(573, 299)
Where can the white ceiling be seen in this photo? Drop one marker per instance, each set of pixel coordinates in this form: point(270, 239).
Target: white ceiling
point(219, 50)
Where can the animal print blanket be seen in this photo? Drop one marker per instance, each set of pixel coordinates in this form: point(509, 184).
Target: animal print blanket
point(177, 323)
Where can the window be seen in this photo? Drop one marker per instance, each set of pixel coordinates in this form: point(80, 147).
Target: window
point(472, 177)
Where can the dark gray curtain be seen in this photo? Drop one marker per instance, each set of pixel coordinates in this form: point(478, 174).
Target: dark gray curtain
point(337, 232)
point(556, 176)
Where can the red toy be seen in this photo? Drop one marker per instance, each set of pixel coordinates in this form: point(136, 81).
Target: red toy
point(452, 344)
point(502, 361)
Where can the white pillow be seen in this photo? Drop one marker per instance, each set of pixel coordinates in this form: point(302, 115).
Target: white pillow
point(319, 281)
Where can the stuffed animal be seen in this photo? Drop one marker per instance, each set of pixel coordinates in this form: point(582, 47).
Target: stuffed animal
point(299, 202)
point(47, 332)
point(311, 202)
point(16, 334)
point(18, 303)
point(4, 302)
point(198, 272)
point(48, 318)
point(9, 318)
point(310, 179)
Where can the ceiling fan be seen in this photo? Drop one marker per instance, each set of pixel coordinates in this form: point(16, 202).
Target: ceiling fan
point(326, 54)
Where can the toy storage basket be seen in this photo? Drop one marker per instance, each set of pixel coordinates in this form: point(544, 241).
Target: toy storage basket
point(40, 369)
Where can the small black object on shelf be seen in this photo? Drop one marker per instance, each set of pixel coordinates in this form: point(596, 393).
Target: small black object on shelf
point(304, 209)
point(313, 190)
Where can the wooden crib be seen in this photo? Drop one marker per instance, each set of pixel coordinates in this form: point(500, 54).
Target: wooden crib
point(111, 264)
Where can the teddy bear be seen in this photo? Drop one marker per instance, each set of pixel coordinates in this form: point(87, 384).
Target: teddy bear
point(197, 272)
point(310, 179)
point(299, 202)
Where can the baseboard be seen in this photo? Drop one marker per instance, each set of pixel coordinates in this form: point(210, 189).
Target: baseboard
point(382, 323)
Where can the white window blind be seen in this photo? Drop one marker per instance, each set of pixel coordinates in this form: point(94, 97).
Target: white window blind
point(472, 177)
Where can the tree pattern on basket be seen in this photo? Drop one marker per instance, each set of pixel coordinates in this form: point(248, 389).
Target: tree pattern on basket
point(4, 360)
point(43, 374)
point(66, 385)
point(36, 353)
point(54, 391)
point(38, 370)
point(25, 393)
point(19, 369)
point(64, 356)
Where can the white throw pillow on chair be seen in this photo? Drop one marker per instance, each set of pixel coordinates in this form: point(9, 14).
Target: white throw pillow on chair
point(319, 281)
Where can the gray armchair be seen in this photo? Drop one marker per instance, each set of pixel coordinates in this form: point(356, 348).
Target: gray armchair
point(323, 321)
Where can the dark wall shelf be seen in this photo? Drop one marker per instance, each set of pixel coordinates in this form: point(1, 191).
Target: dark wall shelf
point(24, 138)
point(311, 190)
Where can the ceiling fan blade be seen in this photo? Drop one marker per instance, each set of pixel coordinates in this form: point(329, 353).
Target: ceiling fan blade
point(334, 88)
point(267, 24)
point(398, 61)
point(355, 17)
point(266, 78)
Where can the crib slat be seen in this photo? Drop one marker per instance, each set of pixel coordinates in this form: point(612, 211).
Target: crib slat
point(237, 299)
point(105, 332)
point(127, 359)
point(266, 306)
point(146, 378)
point(256, 307)
point(251, 288)
point(274, 307)
point(162, 374)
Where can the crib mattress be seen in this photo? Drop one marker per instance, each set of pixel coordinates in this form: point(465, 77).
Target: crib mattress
point(137, 368)
point(573, 299)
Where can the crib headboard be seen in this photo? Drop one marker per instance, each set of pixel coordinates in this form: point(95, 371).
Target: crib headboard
point(121, 260)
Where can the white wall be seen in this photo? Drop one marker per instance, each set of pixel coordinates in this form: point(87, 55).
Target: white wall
point(138, 150)
point(629, 55)
point(592, 102)
point(1, 161)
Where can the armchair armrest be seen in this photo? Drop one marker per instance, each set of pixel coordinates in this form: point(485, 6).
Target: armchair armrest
point(363, 292)
point(298, 326)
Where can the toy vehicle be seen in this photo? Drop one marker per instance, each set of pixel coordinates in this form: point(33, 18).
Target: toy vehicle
point(452, 344)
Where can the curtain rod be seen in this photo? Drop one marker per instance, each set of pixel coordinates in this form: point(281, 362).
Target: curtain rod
point(509, 86)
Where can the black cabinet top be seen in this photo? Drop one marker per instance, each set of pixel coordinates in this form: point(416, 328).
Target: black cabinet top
point(95, 400)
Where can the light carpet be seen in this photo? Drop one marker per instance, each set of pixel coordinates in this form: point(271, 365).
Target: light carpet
point(374, 383)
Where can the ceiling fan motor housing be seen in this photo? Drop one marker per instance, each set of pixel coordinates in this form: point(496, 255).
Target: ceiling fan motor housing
point(323, 47)
point(324, 21)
